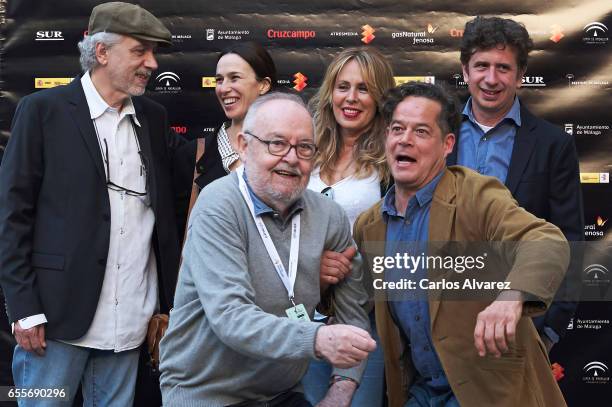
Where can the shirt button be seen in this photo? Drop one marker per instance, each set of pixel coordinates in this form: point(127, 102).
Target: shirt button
point(426, 348)
point(417, 318)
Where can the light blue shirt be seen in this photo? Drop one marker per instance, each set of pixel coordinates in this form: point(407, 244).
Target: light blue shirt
point(488, 153)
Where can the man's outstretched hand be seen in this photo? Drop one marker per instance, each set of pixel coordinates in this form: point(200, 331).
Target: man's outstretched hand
point(496, 324)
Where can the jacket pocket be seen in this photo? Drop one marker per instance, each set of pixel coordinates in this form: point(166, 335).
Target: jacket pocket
point(510, 363)
point(47, 261)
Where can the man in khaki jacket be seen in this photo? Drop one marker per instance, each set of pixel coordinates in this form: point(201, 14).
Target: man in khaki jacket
point(443, 350)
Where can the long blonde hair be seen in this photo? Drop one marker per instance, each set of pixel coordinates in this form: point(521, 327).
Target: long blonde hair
point(370, 153)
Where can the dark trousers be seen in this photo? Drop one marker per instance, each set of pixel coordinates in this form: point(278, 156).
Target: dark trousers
point(289, 399)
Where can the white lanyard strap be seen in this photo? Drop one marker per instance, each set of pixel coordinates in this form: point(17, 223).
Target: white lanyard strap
point(288, 279)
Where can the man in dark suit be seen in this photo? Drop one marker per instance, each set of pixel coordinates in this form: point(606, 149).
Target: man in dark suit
point(500, 137)
point(88, 245)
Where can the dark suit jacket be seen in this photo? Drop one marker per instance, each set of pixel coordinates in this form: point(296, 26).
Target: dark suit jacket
point(55, 211)
point(209, 167)
point(544, 178)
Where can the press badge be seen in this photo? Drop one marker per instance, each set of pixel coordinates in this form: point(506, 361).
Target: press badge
point(298, 313)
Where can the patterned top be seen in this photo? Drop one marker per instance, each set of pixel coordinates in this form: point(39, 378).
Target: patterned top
point(227, 153)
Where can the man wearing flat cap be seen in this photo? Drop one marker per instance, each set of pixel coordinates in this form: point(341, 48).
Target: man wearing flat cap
point(88, 245)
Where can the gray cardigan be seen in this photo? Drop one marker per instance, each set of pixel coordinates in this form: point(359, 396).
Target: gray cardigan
point(229, 339)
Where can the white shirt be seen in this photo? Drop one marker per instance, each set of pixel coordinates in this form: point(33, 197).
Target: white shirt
point(354, 195)
point(129, 290)
point(484, 128)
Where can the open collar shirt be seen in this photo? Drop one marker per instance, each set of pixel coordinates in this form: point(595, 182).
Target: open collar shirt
point(129, 293)
point(488, 152)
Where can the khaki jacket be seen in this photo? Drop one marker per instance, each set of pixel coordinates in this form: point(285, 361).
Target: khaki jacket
point(468, 207)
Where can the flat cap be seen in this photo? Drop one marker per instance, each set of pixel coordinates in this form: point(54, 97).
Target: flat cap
point(128, 19)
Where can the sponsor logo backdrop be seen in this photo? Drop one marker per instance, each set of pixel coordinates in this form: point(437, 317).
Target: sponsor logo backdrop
point(567, 83)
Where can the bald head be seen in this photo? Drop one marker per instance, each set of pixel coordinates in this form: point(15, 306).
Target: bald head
point(280, 99)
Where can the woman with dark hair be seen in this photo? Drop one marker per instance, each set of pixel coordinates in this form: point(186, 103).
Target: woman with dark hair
point(244, 72)
point(350, 169)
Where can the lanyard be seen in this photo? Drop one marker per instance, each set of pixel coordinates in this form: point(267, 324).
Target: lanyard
point(288, 278)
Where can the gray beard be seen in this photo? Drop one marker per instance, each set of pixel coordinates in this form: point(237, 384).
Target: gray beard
point(274, 199)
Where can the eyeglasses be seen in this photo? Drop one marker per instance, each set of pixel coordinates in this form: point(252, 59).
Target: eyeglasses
point(280, 148)
point(116, 187)
point(143, 168)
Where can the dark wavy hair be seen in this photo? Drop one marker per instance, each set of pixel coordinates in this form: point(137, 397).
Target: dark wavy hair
point(449, 118)
point(483, 33)
point(257, 57)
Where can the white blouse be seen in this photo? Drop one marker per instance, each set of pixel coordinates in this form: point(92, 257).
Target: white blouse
point(354, 195)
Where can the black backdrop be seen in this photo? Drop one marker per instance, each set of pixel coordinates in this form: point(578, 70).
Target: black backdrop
point(567, 83)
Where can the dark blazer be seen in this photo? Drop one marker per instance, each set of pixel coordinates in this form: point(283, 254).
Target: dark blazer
point(55, 211)
point(209, 167)
point(544, 178)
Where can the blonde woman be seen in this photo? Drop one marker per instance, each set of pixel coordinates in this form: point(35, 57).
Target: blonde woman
point(350, 169)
